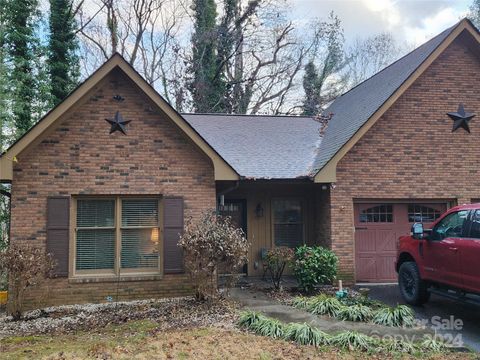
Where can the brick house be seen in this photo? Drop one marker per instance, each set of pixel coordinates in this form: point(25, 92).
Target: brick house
point(110, 205)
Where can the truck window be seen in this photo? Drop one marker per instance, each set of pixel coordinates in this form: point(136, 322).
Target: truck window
point(475, 227)
point(450, 226)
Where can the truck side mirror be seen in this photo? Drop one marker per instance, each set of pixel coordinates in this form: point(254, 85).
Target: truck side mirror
point(417, 231)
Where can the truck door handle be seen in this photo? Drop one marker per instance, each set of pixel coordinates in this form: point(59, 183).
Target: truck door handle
point(453, 248)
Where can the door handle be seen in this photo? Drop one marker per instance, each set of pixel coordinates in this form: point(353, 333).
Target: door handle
point(453, 248)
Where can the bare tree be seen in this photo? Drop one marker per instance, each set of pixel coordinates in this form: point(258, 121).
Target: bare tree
point(368, 56)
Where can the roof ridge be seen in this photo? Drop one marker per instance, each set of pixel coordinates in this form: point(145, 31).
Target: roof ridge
point(249, 115)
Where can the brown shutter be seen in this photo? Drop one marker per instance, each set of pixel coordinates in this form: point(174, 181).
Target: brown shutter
point(58, 221)
point(173, 227)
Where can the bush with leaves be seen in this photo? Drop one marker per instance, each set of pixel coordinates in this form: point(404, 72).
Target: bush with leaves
point(26, 266)
point(275, 261)
point(314, 266)
point(356, 313)
point(401, 315)
point(210, 243)
point(305, 334)
point(325, 305)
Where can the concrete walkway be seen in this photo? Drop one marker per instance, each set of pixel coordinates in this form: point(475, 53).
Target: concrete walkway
point(258, 301)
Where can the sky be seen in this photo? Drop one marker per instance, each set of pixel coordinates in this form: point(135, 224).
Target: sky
point(411, 22)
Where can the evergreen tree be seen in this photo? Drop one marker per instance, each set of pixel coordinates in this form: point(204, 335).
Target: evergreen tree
point(20, 43)
point(311, 89)
point(63, 63)
point(208, 83)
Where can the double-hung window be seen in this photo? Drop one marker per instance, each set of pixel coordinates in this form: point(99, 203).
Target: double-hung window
point(117, 236)
point(288, 228)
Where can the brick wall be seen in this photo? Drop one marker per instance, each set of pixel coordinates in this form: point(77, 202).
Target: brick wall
point(411, 151)
point(80, 157)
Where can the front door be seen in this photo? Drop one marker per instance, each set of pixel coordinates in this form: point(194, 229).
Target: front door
point(440, 252)
point(236, 209)
point(469, 253)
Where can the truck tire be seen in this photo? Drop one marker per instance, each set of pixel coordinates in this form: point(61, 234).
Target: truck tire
point(412, 287)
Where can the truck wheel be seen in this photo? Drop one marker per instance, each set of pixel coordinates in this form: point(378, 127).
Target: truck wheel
point(412, 287)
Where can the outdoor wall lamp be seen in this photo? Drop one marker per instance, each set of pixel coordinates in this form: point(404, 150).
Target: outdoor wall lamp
point(259, 210)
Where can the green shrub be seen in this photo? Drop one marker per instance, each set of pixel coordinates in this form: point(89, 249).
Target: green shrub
point(301, 302)
point(401, 315)
point(432, 343)
point(353, 340)
point(269, 327)
point(305, 334)
point(324, 305)
point(350, 300)
point(356, 313)
point(248, 318)
point(314, 266)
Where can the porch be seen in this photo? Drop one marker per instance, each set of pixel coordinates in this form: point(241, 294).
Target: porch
point(283, 213)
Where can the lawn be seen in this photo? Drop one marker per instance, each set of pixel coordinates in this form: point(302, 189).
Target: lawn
point(144, 340)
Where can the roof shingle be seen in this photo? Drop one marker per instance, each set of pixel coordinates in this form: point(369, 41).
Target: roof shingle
point(261, 147)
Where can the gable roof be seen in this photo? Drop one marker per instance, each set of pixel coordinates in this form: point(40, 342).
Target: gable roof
point(358, 109)
point(223, 171)
point(262, 147)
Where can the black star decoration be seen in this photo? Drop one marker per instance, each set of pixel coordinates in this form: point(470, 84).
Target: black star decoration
point(460, 118)
point(118, 124)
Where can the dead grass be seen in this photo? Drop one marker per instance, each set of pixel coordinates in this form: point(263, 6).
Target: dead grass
point(144, 340)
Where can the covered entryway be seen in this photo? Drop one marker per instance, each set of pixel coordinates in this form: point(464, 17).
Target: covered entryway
point(378, 226)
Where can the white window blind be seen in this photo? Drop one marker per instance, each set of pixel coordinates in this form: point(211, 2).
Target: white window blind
point(140, 234)
point(95, 240)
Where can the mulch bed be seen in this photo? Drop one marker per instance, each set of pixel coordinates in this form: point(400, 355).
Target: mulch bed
point(170, 313)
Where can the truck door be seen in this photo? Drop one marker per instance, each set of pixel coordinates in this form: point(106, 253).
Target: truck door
point(469, 253)
point(440, 252)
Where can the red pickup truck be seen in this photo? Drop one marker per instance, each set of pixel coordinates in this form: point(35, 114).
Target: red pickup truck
point(444, 259)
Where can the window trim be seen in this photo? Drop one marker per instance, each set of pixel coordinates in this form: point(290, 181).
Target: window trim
point(272, 218)
point(117, 272)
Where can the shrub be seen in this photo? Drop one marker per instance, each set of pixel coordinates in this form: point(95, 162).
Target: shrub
point(269, 327)
point(314, 266)
point(353, 340)
point(325, 305)
point(210, 243)
point(355, 313)
point(401, 315)
point(305, 334)
point(248, 318)
point(432, 343)
point(26, 267)
point(276, 260)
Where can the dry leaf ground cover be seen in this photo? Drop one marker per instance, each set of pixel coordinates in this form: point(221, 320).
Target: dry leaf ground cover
point(144, 340)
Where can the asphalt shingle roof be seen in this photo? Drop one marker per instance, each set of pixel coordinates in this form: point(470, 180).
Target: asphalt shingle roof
point(261, 147)
point(354, 108)
point(288, 147)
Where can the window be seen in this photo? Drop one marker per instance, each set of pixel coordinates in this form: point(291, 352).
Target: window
point(450, 226)
point(475, 227)
point(420, 213)
point(287, 222)
point(377, 214)
point(118, 234)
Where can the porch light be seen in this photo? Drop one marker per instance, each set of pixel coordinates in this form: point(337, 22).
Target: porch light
point(259, 210)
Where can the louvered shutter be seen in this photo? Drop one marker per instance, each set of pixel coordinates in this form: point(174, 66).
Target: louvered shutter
point(173, 227)
point(58, 221)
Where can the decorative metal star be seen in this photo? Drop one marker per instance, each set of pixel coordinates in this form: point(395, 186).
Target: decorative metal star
point(118, 124)
point(460, 118)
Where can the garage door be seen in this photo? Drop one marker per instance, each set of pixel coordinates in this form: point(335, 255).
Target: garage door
point(377, 228)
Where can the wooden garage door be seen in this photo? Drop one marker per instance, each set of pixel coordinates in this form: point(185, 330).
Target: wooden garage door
point(377, 228)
